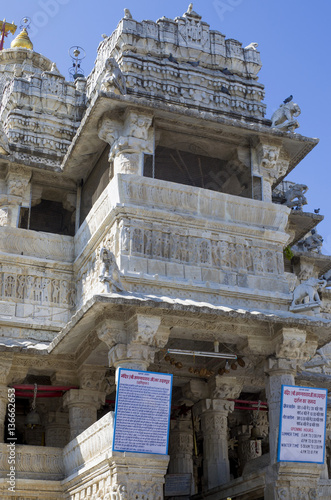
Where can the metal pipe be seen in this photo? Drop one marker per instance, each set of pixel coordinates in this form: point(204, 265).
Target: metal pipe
point(206, 354)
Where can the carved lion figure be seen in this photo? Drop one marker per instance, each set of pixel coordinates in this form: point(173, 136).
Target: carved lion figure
point(283, 117)
point(307, 292)
point(294, 196)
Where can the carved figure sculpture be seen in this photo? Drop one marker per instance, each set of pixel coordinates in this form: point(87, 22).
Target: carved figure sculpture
point(314, 242)
point(294, 196)
point(307, 292)
point(110, 272)
point(252, 46)
point(4, 145)
point(283, 117)
point(113, 81)
point(127, 14)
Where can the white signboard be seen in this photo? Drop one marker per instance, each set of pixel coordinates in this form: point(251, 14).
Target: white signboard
point(302, 424)
point(142, 413)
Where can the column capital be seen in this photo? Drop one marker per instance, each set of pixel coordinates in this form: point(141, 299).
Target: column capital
point(195, 390)
point(292, 343)
point(112, 332)
point(221, 387)
point(83, 398)
point(92, 377)
point(214, 405)
point(134, 356)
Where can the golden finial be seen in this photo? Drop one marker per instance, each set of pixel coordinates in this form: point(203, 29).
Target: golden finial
point(22, 40)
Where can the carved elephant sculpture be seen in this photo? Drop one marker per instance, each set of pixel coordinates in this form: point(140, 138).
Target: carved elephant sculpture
point(307, 292)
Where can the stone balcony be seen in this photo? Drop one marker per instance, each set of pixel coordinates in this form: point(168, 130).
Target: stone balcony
point(86, 468)
point(36, 282)
point(186, 242)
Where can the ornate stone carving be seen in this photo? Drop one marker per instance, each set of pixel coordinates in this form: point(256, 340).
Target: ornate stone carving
point(224, 388)
point(4, 144)
point(313, 243)
point(17, 180)
point(268, 156)
point(305, 295)
point(283, 117)
point(92, 378)
point(83, 405)
point(291, 343)
point(113, 81)
point(294, 196)
point(135, 356)
point(110, 273)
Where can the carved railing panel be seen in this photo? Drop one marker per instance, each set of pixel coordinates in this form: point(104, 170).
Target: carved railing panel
point(33, 462)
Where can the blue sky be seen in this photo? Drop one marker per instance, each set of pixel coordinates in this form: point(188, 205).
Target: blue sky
point(293, 41)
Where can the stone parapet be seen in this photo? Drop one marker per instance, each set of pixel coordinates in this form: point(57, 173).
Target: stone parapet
point(33, 462)
point(90, 446)
point(241, 252)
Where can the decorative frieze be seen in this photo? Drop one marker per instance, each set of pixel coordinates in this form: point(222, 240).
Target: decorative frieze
point(231, 254)
point(37, 289)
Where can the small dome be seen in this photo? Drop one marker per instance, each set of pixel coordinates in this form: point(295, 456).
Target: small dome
point(22, 40)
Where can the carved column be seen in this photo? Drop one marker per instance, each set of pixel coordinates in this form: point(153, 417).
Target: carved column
point(270, 163)
point(128, 141)
point(5, 366)
point(3, 410)
point(286, 479)
point(57, 429)
point(83, 405)
point(214, 425)
point(181, 448)
point(213, 412)
point(133, 344)
point(281, 372)
point(18, 191)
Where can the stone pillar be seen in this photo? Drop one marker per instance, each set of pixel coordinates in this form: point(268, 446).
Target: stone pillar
point(133, 344)
point(213, 408)
point(270, 162)
point(214, 426)
point(18, 194)
point(287, 480)
point(57, 429)
point(5, 366)
point(281, 372)
point(83, 405)
point(128, 141)
point(3, 410)
point(181, 448)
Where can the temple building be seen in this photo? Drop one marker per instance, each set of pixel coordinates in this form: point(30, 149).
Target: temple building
point(145, 210)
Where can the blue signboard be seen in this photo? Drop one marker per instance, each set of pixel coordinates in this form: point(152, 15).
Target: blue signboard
point(142, 413)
